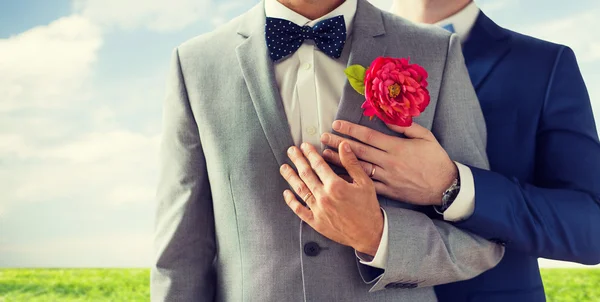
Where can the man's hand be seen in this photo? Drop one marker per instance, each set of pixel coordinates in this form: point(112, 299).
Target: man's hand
point(344, 211)
point(415, 169)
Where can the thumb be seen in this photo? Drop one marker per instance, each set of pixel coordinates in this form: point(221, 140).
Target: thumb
point(413, 131)
point(351, 163)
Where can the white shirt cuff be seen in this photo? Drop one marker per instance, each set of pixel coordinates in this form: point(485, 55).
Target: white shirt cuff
point(380, 259)
point(464, 205)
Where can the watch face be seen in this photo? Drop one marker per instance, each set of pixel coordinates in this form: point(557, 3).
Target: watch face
point(450, 195)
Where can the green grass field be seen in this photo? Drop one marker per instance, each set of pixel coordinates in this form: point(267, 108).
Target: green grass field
point(128, 285)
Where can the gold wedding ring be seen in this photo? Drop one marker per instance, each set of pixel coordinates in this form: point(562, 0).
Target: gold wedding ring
point(307, 196)
point(372, 171)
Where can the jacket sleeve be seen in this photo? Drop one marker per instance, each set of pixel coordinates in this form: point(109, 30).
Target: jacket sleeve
point(184, 235)
point(558, 215)
point(424, 252)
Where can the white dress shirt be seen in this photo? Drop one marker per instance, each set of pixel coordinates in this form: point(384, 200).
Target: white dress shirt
point(463, 21)
point(309, 81)
point(311, 85)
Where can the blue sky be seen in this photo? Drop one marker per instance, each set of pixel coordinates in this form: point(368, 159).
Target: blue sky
point(81, 88)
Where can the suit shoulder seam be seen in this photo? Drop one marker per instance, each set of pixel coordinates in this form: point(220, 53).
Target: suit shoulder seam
point(551, 78)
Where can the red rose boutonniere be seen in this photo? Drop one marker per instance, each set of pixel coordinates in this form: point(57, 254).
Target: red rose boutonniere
point(395, 90)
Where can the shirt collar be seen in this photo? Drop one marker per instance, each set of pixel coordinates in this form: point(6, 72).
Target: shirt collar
point(274, 9)
point(463, 21)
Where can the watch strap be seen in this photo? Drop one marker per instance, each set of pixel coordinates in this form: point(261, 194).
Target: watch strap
point(448, 196)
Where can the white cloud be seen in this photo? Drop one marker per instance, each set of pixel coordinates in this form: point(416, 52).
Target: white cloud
point(54, 156)
point(157, 15)
point(104, 117)
point(114, 250)
point(382, 4)
point(578, 31)
point(546, 263)
point(41, 125)
point(15, 145)
point(47, 65)
point(131, 195)
point(222, 11)
point(98, 147)
point(115, 168)
point(491, 6)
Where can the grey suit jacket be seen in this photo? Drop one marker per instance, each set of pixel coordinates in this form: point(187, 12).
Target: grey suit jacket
point(224, 232)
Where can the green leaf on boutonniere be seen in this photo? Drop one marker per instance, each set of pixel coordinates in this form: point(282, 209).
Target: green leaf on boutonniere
point(356, 77)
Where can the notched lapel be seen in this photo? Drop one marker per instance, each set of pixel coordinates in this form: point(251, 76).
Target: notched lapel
point(487, 45)
point(367, 43)
point(259, 75)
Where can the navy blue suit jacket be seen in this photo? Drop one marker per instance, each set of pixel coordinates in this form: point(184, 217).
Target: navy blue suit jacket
point(542, 198)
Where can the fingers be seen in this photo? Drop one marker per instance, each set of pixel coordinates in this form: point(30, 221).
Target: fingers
point(383, 189)
point(301, 211)
point(362, 151)
point(364, 134)
point(305, 171)
point(334, 158)
point(318, 164)
point(296, 183)
point(351, 164)
point(414, 131)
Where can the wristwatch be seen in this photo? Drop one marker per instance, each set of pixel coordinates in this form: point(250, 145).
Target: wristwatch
point(449, 196)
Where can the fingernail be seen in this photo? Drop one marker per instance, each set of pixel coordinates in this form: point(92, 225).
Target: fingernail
point(325, 138)
point(304, 146)
point(347, 148)
point(337, 125)
point(291, 150)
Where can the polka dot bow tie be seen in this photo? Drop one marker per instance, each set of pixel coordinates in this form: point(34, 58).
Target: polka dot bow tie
point(285, 37)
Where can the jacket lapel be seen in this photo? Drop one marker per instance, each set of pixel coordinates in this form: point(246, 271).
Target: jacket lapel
point(366, 44)
point(486, 46)
point(259, 75)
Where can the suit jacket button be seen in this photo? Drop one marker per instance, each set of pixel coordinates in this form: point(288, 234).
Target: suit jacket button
point(312, 249)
